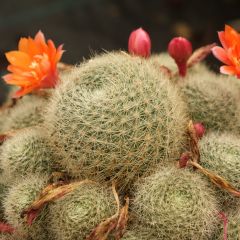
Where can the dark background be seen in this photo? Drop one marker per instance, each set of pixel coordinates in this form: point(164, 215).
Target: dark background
point(87, 26)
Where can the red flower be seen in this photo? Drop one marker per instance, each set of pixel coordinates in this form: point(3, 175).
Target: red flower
point(230, 53)
point(139, 43)
point(34, 65)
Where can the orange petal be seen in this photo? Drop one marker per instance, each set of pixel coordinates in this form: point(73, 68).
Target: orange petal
point(41, 42)
point(33, 48)
point(229, 70)
point(39, 37)
point(231, 36)
point(51, 51)
point(221, 55)
point(23, 45)
point(18, 59)
point(59, 53)
point(221, 36)
point(17, 79)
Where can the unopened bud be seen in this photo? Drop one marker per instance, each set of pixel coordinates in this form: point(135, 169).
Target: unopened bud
point(200, 129)
point(180, 49)
point(139, 43)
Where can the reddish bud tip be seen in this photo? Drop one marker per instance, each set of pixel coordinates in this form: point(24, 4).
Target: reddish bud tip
point(139, 43)
point(200, 129)
point(180, 49)
point(184, 160)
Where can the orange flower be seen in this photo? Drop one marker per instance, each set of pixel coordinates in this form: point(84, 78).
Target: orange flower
point(230, 53)
point(34, 65)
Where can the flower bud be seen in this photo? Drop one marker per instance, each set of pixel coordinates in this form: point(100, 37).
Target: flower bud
point(139, 43)
point(200, 129)
point(180, 49)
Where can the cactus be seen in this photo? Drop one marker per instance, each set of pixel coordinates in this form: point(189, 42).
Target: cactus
point(138, 232)
point(10, 237)
point(19, 197)
point(26, 113)
point(213, 100)
point(3, 192)
point(116, 118)
point(163, 59)
point(220, 153)
point(74, 216)
point(26, 152)
point(176, 204)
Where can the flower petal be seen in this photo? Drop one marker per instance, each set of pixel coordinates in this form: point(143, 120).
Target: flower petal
point(221, 55)
point(231, 36)
point(18, 59)
point(23, 45)
point(229, 70)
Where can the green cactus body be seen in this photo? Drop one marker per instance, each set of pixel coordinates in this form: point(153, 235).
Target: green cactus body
point(115, 118)
point(19, 197)
point(163, 59)
point(74, 216)
point(220, 153)
point(26, 152)
point(213, 100)
point(176, 204)
point(3, 192)
point(26, 113)
point(139, 232)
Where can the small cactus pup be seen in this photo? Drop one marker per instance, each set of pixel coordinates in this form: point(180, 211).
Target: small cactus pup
point(213, 100)
point(74, 216)
point(114, 118)
point(27, 112)
point(176, 204)
point(20, 195)
point(220, 153)
point(27, 151)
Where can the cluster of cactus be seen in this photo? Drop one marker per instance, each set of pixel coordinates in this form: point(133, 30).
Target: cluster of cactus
point(117, 118)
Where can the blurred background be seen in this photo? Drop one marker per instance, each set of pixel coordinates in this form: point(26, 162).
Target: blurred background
point(89, 26)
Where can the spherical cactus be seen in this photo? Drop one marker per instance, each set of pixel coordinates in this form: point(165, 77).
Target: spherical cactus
point(27, 151)
point(177, 204)
point(74, 216)
point(163, 59)
point(213, 100)
point(19, 197)
point(116, 118)
point(220, 153)
point(26, 113)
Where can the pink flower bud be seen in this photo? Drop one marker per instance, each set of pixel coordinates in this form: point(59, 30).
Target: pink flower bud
point(184, 160)
point(180, 49)
point(200, 129)
point(139, 43)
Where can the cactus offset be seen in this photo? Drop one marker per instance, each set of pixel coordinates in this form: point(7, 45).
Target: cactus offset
point(213, 100)
point(19, 197)
point(26, 152)
point(220, 153)
point(74, 216)
point(177, 204)
point(26, 113)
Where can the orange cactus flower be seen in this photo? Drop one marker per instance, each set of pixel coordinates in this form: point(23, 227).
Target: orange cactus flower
point(34, 65)
point(230, 53)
